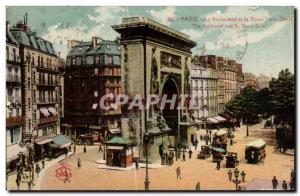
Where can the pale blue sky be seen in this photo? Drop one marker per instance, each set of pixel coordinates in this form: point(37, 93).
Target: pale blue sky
point(266, 49)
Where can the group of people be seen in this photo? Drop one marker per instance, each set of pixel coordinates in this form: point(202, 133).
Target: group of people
point(284, 183)
point(26, 171)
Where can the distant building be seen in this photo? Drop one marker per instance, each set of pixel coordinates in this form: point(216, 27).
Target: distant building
point(250, 80)
point(230, 80)
point(263, 81)
point(40, 81)
point(93, 69)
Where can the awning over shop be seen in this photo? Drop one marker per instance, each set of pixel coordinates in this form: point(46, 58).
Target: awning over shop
point(45, 112)
point(114, 130)
point(212, 120)
point(220, 118)
point(44, 141)
point(62, 141)
point(119, 140)
point(53, 111)
point(94, 106)
point(13, 151)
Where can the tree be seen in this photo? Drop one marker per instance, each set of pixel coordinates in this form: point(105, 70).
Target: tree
point(282, 97)
point(244, 106)
point(263, 102)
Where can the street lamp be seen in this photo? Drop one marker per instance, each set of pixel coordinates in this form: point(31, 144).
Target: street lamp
point(146, 142)
point(243, 175)
point(230, 175)
point(236, 173)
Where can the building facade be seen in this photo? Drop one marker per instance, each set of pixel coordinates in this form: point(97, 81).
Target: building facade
point(250, 80)
point(230, 80)
point(199, 92)
point(93, 69)
point(13, 109)
point(40, 80)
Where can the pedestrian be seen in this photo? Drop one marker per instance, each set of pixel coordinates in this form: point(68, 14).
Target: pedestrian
point(190, 153)
point(274, 182)
point(79, 163)
point(136, 164)
point(196, 144)
point(240, 188)
point(201, 137)
point(37, 169)
point(84, 149)
point(284, 185)
point(183, 156)
point(100, 148)
point(43, 163)
point(67, 179)
point(178, 172)
point(198, 186)
point(30, 183)
point(18, 181)
point(74, 148)
point(231, 142)
point(218, 164)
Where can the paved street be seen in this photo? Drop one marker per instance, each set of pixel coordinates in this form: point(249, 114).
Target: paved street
point(89, 177)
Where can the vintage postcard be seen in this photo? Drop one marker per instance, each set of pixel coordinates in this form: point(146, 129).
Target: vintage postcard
point(150, 98)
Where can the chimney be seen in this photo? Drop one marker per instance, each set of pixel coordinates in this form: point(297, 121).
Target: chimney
point(95, 41)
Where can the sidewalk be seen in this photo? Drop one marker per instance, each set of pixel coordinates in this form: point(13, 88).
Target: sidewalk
point(11, 181)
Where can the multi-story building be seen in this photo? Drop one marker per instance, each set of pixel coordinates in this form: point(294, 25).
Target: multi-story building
point(204, 89)
point(250, 80)
point(93, 69)
point(40, 80)
point(212, 92)
point(14, 118)
point(221, 85)
point(263, 81)
point(199, 91)
point(230, 80)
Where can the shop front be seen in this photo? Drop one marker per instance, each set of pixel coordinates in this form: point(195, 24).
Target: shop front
point(14, 154)
point(119, 152)
point(59, 145)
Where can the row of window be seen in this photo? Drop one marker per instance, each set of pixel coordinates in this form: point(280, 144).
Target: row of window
point(102, 59)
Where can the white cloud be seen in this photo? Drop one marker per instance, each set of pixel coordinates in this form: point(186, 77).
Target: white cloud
point(102, 18)
point(194, 34)
point(162, 15)
point(103, 14)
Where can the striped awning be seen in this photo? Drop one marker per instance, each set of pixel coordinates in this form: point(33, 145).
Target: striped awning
point(52, 110)
point(45, 112)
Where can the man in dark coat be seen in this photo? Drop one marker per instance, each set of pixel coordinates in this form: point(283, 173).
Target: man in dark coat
point(274, 182)
point(190, 153)
point(198, 186)
point(178, 173)
point(284, 185)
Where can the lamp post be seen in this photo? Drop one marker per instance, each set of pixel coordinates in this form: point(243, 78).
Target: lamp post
point(236, 179)
point(146, 142)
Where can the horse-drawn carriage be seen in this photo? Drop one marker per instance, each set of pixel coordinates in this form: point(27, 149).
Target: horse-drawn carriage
point(205, 152)
point(218, 154)
point(255, 151)
point(232, 160)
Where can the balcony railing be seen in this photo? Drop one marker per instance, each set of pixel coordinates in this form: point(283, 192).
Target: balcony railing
point(47, 120)
point(44, 101)
point(14, 121)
